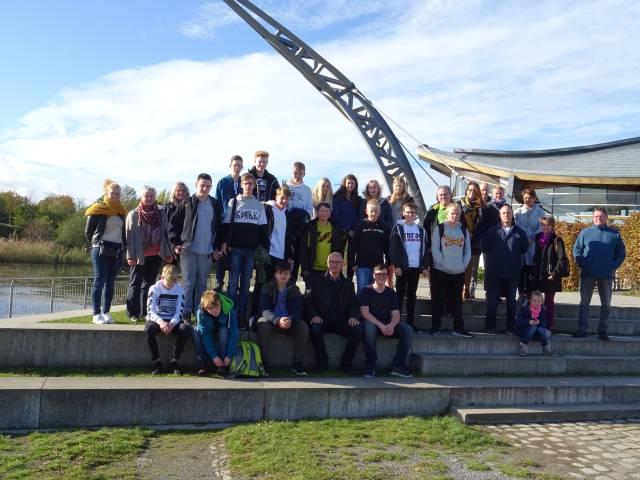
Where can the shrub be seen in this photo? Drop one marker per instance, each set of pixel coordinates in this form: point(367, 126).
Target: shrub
point(569, 232)
point(71, 232)
point(38, 229)
point(629, 270)
point(23, 251)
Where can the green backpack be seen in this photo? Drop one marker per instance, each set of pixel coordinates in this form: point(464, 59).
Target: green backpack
point(247, 362)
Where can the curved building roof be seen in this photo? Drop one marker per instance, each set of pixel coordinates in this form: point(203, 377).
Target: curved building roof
point(611, 163)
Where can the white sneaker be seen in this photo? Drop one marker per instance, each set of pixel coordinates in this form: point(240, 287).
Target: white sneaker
point(98, 319)
point(107, 318)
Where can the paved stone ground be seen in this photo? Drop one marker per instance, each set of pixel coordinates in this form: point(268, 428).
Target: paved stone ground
point(599, 450)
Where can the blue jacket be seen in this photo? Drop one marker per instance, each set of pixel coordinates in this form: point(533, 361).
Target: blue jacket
point(269, 300)
point(345, 213)
point(599, 251)
point(226, 190)
point(207, 326)
point(503, 257)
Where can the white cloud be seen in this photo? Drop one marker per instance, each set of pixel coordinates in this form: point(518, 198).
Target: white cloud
point(456, 73)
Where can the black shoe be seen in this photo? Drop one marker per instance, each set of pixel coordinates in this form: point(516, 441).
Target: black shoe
point(603, 336)
point(223, 371)
point(510, 331)
point(369, 372)
point(320, 367)
point(490, 331)
point(462, 333)
point(298, 370)
point(174, 367)
point(434, 333)
point(580, 334)
point(401, 371)
point(203, 372)
point(349, 370)
point(157, 368)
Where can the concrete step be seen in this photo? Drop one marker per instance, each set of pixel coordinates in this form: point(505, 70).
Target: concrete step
point(567, 310)
point(491, 364)
point(542, 414)
point(476, 323)
point(482, 343)
point(72, 402)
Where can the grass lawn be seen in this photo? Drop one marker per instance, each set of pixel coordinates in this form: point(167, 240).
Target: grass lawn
point(119, 318)
point(408, 448)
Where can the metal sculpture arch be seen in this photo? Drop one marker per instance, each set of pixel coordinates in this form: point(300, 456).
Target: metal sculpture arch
point(340, 91)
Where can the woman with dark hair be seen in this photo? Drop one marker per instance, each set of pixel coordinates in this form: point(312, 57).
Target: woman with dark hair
point(528, 219)
point(346, 209)
point(550, 264)
point(373, 191)
point(106, 233)
point(474, 211)
point(147, 246)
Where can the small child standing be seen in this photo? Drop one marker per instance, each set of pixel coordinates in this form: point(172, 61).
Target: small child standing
point(532, 322)
point(165, 307)
point(216, 315)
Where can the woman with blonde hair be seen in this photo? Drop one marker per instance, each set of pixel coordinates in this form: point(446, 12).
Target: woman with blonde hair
point(373, 191)
point(322, 193)
point(147, 246)
point(399, 196)
point(105, 231)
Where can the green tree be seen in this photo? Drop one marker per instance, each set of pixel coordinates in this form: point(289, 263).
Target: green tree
point(56, 208)
point(71, 231)
point(15, 209)
point(163, 197)
point(38, 229)
point(129, 197)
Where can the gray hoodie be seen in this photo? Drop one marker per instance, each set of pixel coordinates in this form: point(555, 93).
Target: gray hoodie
point(452, 252)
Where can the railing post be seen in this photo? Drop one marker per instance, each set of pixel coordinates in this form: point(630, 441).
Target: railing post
point(51, 299)
point(11, 299)
point(84, 293)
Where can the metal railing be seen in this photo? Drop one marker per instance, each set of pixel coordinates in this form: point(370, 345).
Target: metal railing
point(32, 296)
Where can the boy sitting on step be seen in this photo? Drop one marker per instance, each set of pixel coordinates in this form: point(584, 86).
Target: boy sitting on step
point(532, 322)
point(165, 307)
point(216, 317)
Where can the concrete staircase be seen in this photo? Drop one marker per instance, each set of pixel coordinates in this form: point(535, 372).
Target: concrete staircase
point(589, 379)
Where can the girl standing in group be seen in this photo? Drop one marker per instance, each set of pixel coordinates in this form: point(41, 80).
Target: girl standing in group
point(528, 219)
point(178, 194)
point(346, 209)
point(373, 191)
point(105, 232)
point(322, 193)
point(550, 265)
point(398, 198)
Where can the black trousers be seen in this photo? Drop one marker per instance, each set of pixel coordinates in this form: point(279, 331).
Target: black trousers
point(180, 332)
point(141, 278)
point(353, 334)
point(446, 289)
point(407, 284)
point(269, 271)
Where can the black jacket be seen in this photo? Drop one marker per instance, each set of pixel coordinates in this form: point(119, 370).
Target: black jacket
point(504, 252)
point(185, 219)
point(309, 241)
point(550, 260)
point(386, 213)
point(398, 253)
point(271, 185)
point(94, 229)
point(316, 304)
point(369, 245)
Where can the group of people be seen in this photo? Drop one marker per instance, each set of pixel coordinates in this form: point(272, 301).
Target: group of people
point(255, 227)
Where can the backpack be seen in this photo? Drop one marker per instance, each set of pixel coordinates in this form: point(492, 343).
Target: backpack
point(247, 361)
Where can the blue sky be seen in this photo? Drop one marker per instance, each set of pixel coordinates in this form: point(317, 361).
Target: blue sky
point(151, 92)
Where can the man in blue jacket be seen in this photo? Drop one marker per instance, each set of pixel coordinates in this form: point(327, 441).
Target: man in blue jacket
point(503, 246)
point(598, 251)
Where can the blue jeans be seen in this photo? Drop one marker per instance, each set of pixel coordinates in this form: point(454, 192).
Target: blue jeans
point(105, 270)
point(402, 331)
point(605, 287)
point(221, 345)
point(241, 262)
point(364, 277)
point(534, 330)
point(195, 269)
